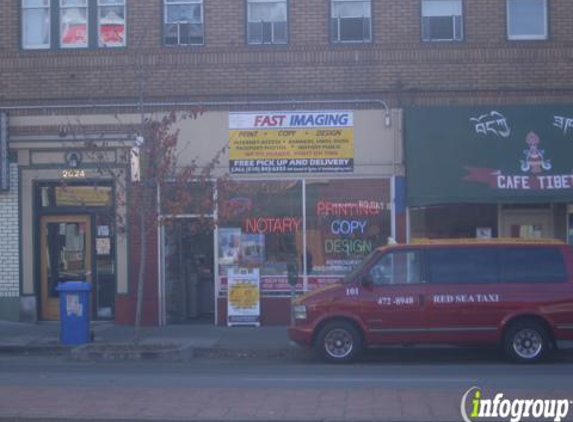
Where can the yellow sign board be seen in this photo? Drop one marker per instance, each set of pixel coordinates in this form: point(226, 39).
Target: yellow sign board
point(288, 142)
point(243, 297)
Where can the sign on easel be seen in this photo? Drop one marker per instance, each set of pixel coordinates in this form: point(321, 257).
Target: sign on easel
point(243, 297)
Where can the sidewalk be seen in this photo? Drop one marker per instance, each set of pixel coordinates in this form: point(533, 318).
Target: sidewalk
point(180, 341)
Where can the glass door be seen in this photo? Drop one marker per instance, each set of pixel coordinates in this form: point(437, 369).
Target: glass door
point(65, 256)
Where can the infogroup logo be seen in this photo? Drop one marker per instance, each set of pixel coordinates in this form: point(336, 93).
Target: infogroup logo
point(474, 407)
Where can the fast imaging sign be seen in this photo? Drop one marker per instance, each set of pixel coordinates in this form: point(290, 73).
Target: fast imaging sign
point(291, 142)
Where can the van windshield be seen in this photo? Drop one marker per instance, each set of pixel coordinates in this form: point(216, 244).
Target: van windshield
point(351, 276)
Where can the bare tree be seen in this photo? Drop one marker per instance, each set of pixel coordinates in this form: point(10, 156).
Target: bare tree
point(154, 153)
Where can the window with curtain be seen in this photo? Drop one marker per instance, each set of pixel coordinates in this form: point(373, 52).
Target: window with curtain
point(351, 21)
point(111, 23)
point(442, 20)
point(527, 19)
point(74, 23)
point(267, 21)
point(35, 24)
point(183, 22)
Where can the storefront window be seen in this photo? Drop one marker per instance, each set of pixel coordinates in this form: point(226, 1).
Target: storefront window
point(346, 220)
point(73, 23)
point(195, 198)
point(454, 221)
point(111, 23)
point(261, 227)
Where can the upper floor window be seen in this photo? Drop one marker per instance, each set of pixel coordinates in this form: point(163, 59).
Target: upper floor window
point(527, 19)
point(76, 23)
point(442, 20)
point(36, 23)
point(351, 21)
point(111, 23)
point(267, 21)
point(183, 22)
point(73, 23)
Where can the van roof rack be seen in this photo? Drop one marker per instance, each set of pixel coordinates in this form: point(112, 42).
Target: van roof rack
point(428, 241)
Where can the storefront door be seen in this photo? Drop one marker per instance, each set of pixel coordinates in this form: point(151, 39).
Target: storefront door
point(189, 265)
point(65, 256)
point(527, 225)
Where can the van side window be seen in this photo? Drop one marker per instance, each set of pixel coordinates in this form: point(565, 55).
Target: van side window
point(463, 265)
point(399, 267)
point(533, 265)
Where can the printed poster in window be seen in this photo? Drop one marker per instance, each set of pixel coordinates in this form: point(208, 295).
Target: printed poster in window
point(252, 249)
point(112, 27)
point(243, 297)
point(74, 28)
point(103, 246)
point(229, 246)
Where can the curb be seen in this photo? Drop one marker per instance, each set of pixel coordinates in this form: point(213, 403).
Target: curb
point(109, 352)
point(35, 349)
point(222, 353)
point(175, 353)
point(127, 351)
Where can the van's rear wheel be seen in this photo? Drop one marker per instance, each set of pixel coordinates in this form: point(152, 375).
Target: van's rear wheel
point(339, 341)
point(527, 341)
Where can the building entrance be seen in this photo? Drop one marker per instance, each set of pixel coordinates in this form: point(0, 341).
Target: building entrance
point(189, 270)
point(65, 256)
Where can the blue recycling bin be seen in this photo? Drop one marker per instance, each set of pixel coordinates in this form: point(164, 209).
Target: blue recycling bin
point(75, 312)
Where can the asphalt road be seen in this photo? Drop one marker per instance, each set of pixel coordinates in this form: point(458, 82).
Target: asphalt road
point(391, 382)
point(403, 367)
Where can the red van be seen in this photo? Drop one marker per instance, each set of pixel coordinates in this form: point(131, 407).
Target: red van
point(516, 294)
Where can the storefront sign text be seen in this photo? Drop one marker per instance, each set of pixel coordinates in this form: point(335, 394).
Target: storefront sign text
point(531, 164)
point(273, 225)
point(563, 123)
point(291, 142)
point(350, 209)
point(348, 247)
point(492, 123)
point(348, 227)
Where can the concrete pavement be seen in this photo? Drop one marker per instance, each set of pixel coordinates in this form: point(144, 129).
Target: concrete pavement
point(186, 340)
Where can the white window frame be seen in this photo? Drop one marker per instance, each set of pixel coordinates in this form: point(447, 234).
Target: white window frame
point(543, 36)
point(166, 4)
point(61, 9)
point(249, 21)
point(338, 39)
point(102, 4)
point(455, 29)
point(47, 6)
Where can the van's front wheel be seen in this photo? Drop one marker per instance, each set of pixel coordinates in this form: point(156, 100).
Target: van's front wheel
point(339, 341)
point(526, 342)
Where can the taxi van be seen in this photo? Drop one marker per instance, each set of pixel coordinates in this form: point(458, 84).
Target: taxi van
point(512, 293)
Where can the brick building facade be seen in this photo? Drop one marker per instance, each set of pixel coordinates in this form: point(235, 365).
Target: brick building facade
point(396, 66)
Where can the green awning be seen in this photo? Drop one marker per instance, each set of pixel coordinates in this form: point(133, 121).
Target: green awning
point(489, 154)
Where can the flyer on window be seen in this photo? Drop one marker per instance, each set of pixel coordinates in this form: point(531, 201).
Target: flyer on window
point(243, 297)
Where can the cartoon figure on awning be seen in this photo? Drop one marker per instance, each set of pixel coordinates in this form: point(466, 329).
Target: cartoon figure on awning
point(534, 161)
